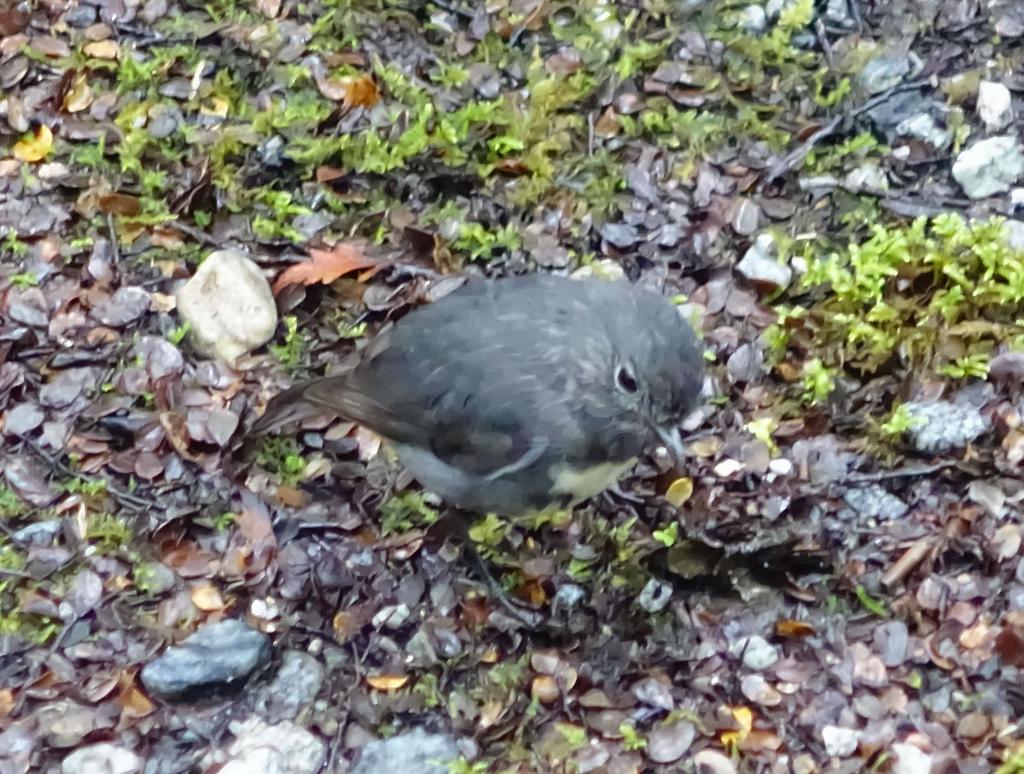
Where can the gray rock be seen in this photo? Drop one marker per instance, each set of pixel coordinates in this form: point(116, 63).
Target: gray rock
point(884, 72)
point(867, 177)
point(924, 127)
point(215, 656)
point(668, 742)
point(414, 751)
point(989, 166)
point(760, 264)
point(994, 106)
point(876, 502)
point(654, 596)
point(569, 596)
point(125, 306)
point(838, 12)
point(228, 306)
point(284, 748)
point(101, 759)
point(292, 689)
point(942, 426)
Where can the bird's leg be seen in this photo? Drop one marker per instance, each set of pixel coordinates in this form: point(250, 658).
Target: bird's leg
point(529, 618)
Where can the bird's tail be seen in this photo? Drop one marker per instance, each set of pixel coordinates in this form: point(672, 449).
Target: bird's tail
point(298, 403)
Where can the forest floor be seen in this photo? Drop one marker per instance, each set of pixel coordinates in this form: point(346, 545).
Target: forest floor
point(832, 579)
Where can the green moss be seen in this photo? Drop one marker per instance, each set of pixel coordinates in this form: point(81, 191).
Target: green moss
point(281, 456)
point(290, 353)
point(11, 506)
point(939, 294)
point(406, 511)
point(107, 532)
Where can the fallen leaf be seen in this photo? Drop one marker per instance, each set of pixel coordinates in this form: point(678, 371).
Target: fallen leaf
point(36, 147)
point(744, 718)
point(679, 491)
point(790, 628)
point(206, 597)
point(359, 91)
point(1010, 647)
point(387, 682)
point(325, 266)
point(79, 96)
point(6, 702)
point(102, 49)
point(352, 91)
point(134, 703)
point(544, 689)
point(120, 204)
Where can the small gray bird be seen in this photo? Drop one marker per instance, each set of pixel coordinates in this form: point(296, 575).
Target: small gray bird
point(516, 395)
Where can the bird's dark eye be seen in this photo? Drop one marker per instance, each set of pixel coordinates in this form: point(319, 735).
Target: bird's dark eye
point(625, 380)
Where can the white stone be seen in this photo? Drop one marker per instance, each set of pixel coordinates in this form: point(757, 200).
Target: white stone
point(728, 467)
point(994, 106)
point(757, 652)
point(753, 19)
point(760, 263)
point(228, 306)
point(284, 748)
point(910, 760)
point(654, 596)
point(867, 177)
point(101, 759)
point(840, 742)
point(605, 269)
point(781, 466)
point(989, 166)
point(1015, 235)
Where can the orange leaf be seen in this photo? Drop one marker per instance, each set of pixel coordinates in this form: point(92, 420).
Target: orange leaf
point(790, 628)
point(325, 266)
point(360, 91)
point(134, 703)
point(387, 682)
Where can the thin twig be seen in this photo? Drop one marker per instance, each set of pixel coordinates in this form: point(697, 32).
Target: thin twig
point(113, 239)
point(195, 233)
point(826, 47)
point(906, 472)
point(127, 499)
point(791, 160)
point(908, 560)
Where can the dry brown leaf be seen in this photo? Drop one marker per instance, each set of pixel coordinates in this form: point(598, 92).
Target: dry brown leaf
point(79, 96)
point(102, 49)
point(544, 689)
point(134, 703)
point(325, 266)
point(387, 682)
point(120, 204)
point(491, 655)
point(327, 174)
point(206, 597)
point(6, 702)
point(36, 147)
point(269, 8)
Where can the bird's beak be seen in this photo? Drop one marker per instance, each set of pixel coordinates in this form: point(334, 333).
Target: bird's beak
point(673, 442)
